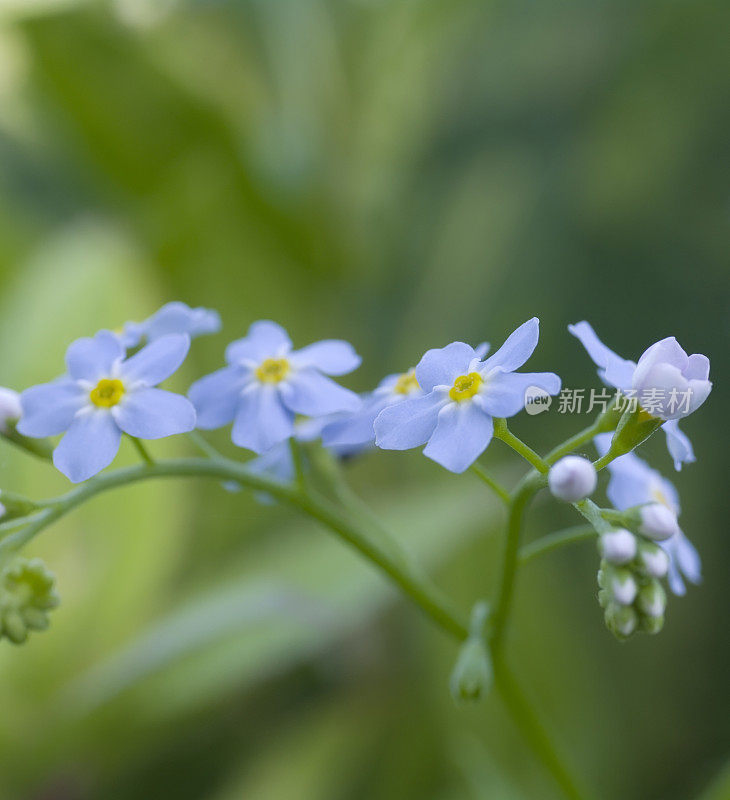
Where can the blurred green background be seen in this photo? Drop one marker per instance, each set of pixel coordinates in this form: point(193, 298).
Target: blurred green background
point(400, 173)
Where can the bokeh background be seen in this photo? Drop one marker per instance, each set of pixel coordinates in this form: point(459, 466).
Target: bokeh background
point(400, 173)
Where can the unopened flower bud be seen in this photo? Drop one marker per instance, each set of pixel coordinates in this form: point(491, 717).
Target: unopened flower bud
point(622, 621)
point(652, 625)
point(653, 560)
point(622, 586)
point(652, 599)
point(572, 478)
point(658, 522)
point(10, 409)
point(618, 547)
point(472, 675)
point(2, 511)
point(27, 593)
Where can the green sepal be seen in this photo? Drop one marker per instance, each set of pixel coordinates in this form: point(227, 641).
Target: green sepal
point(634, 427)
point(15, 506)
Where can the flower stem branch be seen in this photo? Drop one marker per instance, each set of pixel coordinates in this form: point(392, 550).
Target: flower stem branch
point(554, 541)
point(500, 491)
point(502, 432)
point(524, 492)
point(142, 450)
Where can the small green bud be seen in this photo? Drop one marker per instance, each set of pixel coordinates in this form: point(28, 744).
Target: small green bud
point(652, 625)
point(472, 676)
point(27, 594)
point(14, 505)
point(622, 621)
point(652, 599)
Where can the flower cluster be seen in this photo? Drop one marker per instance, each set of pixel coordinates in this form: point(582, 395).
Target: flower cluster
point(27, 594)
point(452, 403)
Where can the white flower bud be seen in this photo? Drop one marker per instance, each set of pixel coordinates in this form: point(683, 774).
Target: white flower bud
point(618, 547)
point(2, 510)
point(658, 522)
point(572, 478)
point(654, 560)
point(652, 599)
point(623, 587)
point(10, 409)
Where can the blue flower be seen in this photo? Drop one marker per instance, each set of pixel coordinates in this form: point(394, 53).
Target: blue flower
point(633, 482)
point(624, 375)
point(175, 317)
point(104, 395)
point(266, 384)
point(356, 430)
point(460, 396)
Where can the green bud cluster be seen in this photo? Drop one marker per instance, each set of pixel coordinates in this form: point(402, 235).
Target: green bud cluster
point(631, 594)
point(27, 594)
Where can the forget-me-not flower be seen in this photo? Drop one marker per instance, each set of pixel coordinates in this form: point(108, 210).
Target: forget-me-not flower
point(356, 430)
point(633, 482)
point(174, 317)
point(663, 369)
point(460, 396)
point(266, 384)
point(104, 395)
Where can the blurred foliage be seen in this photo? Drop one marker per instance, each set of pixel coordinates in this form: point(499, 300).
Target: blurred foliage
point(400, 173)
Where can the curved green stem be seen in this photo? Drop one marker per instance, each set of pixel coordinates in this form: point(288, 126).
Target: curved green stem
point(532, 729)
point(500, 491)
point(554, 541)
point(406, 575)
point(502, 432)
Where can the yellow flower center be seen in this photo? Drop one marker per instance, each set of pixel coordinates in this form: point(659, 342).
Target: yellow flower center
point(406, 383)
point(107, 393)
point(465, 387)
point(273, 370)
point(659, 496)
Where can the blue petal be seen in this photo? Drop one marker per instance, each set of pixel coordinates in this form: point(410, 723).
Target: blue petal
point(356, 428)
point(177, 317)
point(331, 356)
point(613, 370)
point(311, 393)
point(262, 420)
point(216, 396)
point(684, 560)
point(157, 361)
point(504, 395)
point(408, 424)
point(50, 408)
point(481, 350)
point(518, 348)
point(89, 445)
point(154, 413)
point(678, 444)
point(265, 339)
point(442, 366)
point(461, 436)
point(276, 463)
point(92, 358)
